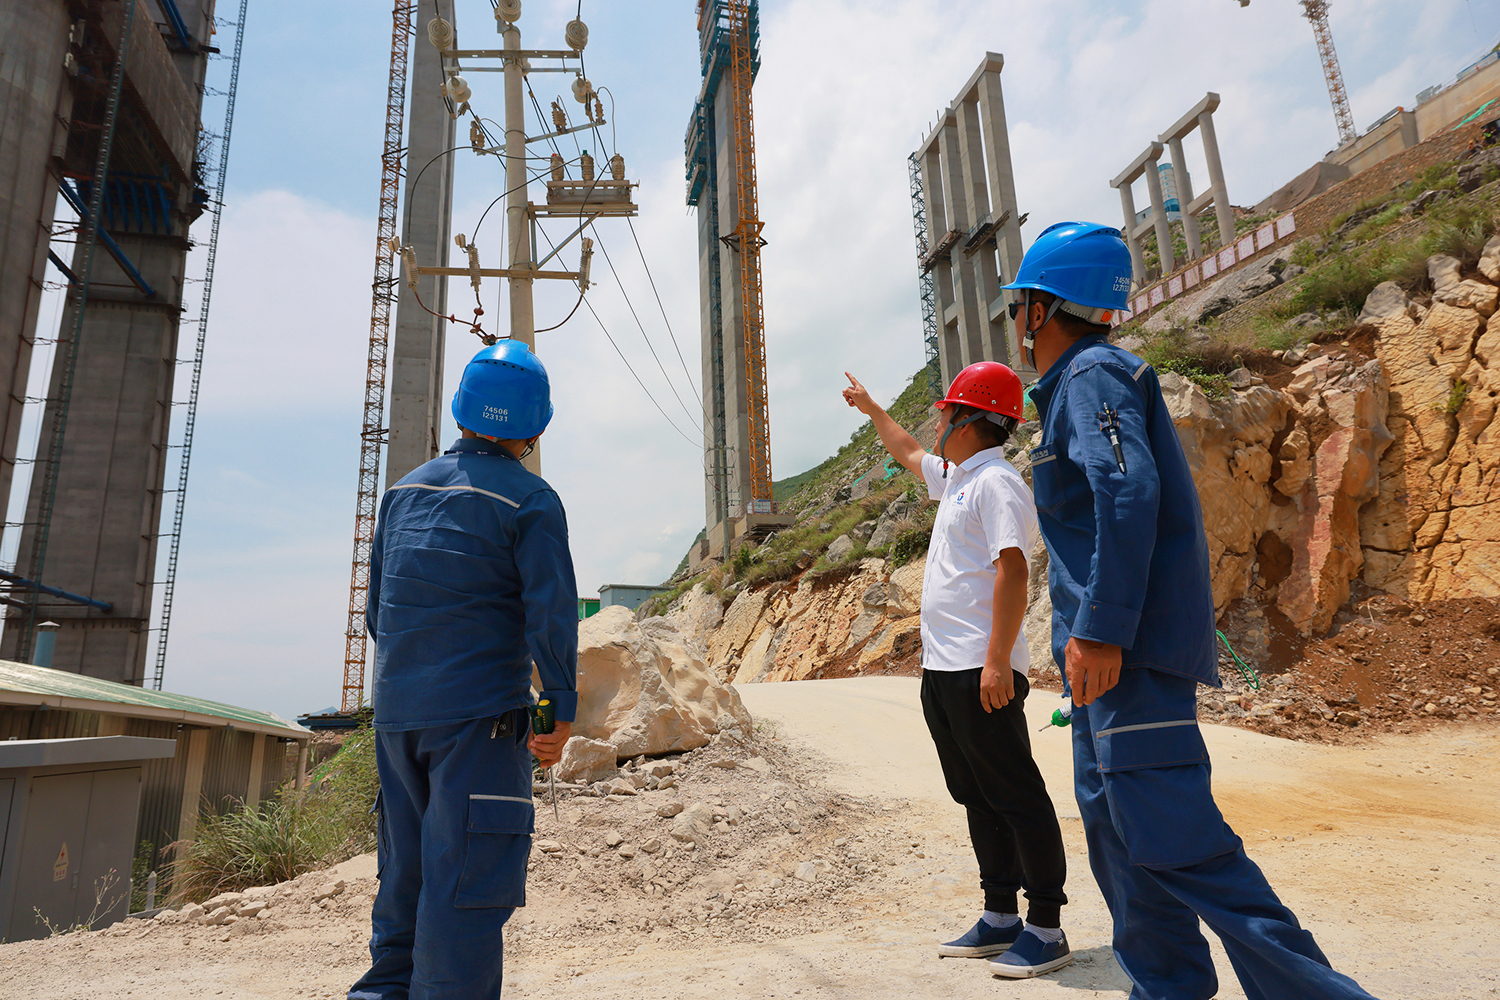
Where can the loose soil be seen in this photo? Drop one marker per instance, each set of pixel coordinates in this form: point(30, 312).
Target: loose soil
point(1384, 850)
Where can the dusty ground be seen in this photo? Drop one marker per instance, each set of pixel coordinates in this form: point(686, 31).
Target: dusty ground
point(1386, 850)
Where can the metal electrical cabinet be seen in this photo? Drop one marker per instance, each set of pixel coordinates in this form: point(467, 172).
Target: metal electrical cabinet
point(67, 830)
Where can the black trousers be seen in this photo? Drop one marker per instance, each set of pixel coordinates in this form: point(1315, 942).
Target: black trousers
point(989, 770)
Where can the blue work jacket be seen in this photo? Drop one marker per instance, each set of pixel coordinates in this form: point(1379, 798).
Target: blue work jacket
point(470, 581)
point(1128, 561)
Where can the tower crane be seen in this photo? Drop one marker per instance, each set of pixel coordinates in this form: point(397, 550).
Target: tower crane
point(1316, 11)
point(371, 437)
point(746, 239)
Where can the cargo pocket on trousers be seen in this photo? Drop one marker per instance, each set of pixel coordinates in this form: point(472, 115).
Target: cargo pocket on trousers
point(497, 845)
point(1157, 780)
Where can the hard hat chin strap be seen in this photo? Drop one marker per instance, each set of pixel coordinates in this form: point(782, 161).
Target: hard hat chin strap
point(1028, 341)
point(943, 444)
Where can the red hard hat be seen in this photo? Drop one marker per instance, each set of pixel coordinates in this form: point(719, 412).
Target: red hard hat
point(986, 385)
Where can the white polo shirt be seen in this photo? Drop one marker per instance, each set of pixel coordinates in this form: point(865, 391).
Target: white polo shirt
point(986, 508)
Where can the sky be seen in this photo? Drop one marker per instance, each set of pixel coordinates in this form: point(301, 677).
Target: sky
point(845, 92)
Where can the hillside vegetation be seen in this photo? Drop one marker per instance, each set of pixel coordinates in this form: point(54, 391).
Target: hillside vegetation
point(1316, 297)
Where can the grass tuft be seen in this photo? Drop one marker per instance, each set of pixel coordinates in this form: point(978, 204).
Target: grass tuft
point(292, 833)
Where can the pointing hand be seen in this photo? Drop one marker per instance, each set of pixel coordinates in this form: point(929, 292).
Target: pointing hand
point(858, 397)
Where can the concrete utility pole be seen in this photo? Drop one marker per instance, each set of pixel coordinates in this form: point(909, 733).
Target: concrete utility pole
point(517, 231)
point(581, 200)
point(416, 364)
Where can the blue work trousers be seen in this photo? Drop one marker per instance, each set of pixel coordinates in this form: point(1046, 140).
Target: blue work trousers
point(1164, 857)
point(456, 820)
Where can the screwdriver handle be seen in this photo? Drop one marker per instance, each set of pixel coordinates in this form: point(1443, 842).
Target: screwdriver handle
point(543, 717)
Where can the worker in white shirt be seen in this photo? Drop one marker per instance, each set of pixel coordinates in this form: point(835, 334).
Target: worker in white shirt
point(974, 664)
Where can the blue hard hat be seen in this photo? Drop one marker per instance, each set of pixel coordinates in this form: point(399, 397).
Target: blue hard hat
point(1080, 262)
point(504, 393)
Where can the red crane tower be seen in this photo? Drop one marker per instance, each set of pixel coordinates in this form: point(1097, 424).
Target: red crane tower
point(380, 328)
point(1316, 11)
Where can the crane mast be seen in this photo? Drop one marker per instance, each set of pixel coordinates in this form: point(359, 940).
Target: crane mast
point(375, 367)
point(746, 239)
point(1316, 11)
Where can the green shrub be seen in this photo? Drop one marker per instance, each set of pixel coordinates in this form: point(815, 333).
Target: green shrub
point(1374, 225)
point(909, 544)
point(293, 832)
point(245, 847)
point(1456, 396)
point(1340, 281)
point(1461, 232)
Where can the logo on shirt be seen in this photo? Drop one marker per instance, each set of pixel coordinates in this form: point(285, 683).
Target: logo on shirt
point(959, 497)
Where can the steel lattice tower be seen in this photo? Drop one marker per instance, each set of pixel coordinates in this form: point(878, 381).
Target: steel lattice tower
point(1316, 11)
point(375, 369)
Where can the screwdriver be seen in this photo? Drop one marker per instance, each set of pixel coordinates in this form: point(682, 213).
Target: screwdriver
point(543, 719)
point(1061, 716)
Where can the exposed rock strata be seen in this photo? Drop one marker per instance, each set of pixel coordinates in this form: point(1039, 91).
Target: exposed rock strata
point(1384, 470)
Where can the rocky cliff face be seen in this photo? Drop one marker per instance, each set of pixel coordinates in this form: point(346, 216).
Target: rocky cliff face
point(1377, 461)
point(1433, 530)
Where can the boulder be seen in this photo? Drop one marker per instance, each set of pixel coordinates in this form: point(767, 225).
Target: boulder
point(905, 587)
point(1221, 294)
point(1471, 174)
point(645, 687)
point(1427, 199)
point(698, 611)
point(1489, 260)
point(693, 824)
point(840, 549)
point(585, 761)
point(1388, 299)
point(892, 522)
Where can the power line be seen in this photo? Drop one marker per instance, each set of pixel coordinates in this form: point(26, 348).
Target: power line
point(640, 326)
point(628, 366)
point(663, 308)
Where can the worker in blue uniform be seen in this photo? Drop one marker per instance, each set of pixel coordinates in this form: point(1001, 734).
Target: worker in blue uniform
point(1133, 631)
point(471, 583)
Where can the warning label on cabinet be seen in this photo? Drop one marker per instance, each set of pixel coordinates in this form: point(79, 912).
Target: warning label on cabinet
point(60, 866)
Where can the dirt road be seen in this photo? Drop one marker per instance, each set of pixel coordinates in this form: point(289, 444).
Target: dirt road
point(1387, 852)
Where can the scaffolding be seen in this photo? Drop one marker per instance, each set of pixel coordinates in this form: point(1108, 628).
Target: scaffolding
point(216, 206)
point(375, 369)
point(925, 285)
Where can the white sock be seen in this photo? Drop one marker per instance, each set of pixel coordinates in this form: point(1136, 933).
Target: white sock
point(1050, 935)
point(1000, 919)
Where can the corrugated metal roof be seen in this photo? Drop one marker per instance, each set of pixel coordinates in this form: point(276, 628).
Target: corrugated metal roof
point(26, 684)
